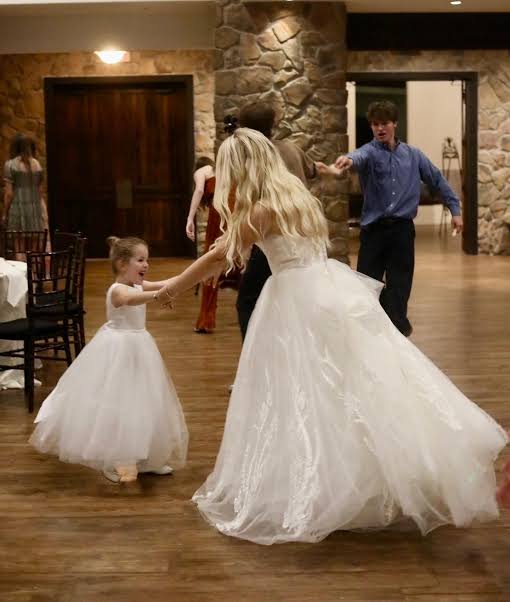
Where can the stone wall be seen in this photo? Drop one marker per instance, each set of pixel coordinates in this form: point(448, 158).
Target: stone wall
point(293, 56)
point(22, 88)
point(494, 126)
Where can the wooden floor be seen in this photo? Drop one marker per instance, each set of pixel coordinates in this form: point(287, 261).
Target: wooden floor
point(67, 534)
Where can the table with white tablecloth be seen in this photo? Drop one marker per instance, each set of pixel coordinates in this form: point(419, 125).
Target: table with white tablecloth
point(13, 295)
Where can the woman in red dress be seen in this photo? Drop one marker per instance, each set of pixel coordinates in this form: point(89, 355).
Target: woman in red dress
point(203, 195)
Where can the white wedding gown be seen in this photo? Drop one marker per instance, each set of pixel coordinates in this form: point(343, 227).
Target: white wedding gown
point(116, 404)
point(337, 421)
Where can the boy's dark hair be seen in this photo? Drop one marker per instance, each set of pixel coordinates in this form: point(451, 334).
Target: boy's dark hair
point(258, 116)
point(382, 110)
point(203, 161)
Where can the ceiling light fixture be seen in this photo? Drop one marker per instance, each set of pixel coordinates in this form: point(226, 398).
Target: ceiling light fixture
point(111, 57)
point(455, 2)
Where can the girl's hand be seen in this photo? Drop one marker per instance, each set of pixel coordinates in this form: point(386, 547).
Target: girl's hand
point(190, 229)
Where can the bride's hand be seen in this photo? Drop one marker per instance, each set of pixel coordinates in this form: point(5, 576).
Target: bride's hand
point(167, 294)
point(213, 278)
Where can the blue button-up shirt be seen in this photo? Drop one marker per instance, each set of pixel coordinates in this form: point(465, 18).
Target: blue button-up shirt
point(390, 180)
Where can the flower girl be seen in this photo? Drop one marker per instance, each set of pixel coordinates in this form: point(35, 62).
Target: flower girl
point(115, 409)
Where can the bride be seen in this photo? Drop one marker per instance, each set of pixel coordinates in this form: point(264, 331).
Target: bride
point(336, 420)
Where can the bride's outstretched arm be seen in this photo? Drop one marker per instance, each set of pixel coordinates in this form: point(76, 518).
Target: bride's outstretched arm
point(199, 270)
point(213, 262)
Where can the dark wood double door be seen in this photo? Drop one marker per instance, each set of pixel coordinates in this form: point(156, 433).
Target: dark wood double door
point(120, 156)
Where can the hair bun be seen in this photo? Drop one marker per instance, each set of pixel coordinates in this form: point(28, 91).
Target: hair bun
point(230, 124)
point(112, 241)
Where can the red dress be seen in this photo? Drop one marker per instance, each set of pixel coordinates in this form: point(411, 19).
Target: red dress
point(206, 321)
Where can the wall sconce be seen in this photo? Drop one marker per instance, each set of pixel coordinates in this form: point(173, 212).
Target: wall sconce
point(111, 57)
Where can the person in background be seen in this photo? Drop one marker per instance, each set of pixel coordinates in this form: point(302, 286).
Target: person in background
point(260, 116)
point(203, 195)
point(24, 204)
point(390, 174)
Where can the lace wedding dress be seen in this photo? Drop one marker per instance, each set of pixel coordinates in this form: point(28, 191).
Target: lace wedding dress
point(337, 421)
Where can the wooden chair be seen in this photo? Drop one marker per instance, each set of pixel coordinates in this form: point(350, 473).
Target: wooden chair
point(21, 242)
point(78, 244)
point(44, 329)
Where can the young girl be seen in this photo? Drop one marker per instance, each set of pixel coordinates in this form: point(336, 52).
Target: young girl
point(336, 420)
point(115, 409)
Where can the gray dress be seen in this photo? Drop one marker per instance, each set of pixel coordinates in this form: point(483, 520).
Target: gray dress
point(25, 212)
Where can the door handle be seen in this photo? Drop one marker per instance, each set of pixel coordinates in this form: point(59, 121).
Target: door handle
point(124, 194)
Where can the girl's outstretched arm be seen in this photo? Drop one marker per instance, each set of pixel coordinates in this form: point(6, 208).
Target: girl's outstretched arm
point(150, 285)
point(127, 295)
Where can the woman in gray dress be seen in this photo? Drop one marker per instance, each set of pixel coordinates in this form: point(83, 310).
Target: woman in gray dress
point(24, 206)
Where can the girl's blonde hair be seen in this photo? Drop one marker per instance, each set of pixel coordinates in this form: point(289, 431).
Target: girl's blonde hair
point(122, 249)
point(250, 163)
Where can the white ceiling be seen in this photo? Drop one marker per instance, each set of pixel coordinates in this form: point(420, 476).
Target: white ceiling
point(37, 7)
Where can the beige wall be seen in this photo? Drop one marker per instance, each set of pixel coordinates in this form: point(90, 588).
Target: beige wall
point(351, 114)
point(180, 26)
point(434, 111)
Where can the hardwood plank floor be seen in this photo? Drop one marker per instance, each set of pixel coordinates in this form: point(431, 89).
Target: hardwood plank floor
point(67, 534)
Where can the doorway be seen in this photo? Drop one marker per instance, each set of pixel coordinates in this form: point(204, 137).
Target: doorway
point(120, 159)
point(468, 145)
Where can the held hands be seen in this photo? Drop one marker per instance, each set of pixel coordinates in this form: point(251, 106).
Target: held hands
point(343, 163)
point(457, 225)
point(190, 229)
point(328, 170)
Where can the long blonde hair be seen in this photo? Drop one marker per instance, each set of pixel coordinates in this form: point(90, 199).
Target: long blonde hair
point(250, 163)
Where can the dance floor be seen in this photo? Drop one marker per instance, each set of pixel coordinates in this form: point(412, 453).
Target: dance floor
point(68, 534)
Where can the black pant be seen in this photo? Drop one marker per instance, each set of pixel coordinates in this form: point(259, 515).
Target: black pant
point(387, 251)
point(252, 282)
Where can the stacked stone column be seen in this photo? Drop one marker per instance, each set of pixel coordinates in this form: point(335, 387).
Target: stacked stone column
point(293, 56)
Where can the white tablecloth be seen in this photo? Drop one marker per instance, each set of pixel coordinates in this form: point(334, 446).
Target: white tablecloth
point(13, 294)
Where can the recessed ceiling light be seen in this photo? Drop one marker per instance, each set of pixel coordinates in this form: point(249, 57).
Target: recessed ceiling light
point(455, 2)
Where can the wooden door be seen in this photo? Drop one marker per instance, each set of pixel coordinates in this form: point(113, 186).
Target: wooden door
point(120, 161)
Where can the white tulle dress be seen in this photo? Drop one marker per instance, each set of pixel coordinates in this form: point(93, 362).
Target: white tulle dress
point(116, 404)
point(337, 421)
